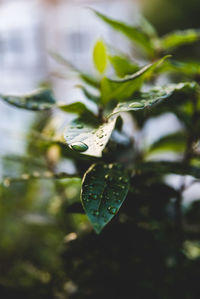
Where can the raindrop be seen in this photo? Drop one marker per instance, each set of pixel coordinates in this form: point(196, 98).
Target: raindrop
point(79, 146)
point(79, 126)
point(95, 197)
point(96, 213)
point(136, 105)
point(112, 210)
point(25, 176)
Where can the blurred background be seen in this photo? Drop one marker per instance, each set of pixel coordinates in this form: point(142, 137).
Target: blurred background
point(33, 221)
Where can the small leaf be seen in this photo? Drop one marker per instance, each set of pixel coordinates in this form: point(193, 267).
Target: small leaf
point(173, 142)
point(77, 108)
point(90, 80)
point(104, 190)
point(123, 89)
point(90, 96)
point(87, 136)
point(135, 34)
point(179, 38)
point(154, 96)
point(100, 56)
point(41, 99)
point(123, 66)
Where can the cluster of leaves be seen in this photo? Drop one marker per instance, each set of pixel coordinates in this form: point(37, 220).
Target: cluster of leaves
point(112, 164)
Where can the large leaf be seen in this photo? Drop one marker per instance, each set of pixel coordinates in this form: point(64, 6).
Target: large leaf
point(41, 99)
point(100, 56)
point(103, 191)
point(179, 38)
point(122, 90)
point(135, 34)
point(122, 65)
point(154, 96)
point(87, 136)
point(77, 108)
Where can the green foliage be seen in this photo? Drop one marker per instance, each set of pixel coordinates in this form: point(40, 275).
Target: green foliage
point(119, 186)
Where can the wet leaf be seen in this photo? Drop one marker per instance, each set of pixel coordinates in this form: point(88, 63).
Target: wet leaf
point(41, 99)
point(104, 190)
point(123, 89)
point(154, 96)
point(100, 56)
point(87, 136)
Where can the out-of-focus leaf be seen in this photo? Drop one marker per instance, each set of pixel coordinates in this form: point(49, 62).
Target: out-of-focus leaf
point(179, 38)
point(187, 68)
point(123, 89)
point(154, 96)
point(100, 56)
point(104, 189)
point(87, 136)
point(90, 96)
point(77, 108)
point(123, 66)
point(41, 99)
point(135, 34)
point(90, 80)
point(148, 28)
point(173, 142)
point(165, 167)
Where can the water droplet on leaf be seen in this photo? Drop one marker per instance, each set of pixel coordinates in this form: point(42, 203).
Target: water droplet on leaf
point(112, 210)
point(79, 146)
point(136, 105)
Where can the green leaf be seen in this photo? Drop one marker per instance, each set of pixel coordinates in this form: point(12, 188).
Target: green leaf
point(123, 66)
point(173, 142)
point(41, 99)
point(77, 108)
point(104, 190)
point(135, 34)
point(100, 56)
point(87, 136)
point(148, 28)
point(154, 96)
point(187, 68)
point(179, 38)
point(123, 89)
point(90, 96)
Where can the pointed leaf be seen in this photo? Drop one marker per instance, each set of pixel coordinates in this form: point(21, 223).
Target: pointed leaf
point(87, 136)
point(77, 108)
point(104, 190)
point(90, 96)
point(154, 96)
point(123, 66)
point(179, 38)
point(135, 34)
point(100, 56)
point(41, 99)
point(122, 90)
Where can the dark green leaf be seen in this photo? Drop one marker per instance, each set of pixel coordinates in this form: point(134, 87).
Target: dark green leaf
point(123, 66)
point(90, 96)
point(154, 96)
point(122, 90)
point(77, 108)
point(104, 190)
point(135, 34)
point(100, 56)
point(87, 136)
point(179, 38)
point(41, 99)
